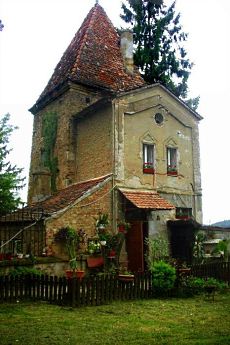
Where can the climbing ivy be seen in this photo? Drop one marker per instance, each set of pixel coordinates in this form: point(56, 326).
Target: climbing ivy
point(49, 133)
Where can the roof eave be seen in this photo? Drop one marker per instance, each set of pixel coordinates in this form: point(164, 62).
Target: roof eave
point(146, 87)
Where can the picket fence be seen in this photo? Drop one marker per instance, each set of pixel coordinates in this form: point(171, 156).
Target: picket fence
point(92, 290)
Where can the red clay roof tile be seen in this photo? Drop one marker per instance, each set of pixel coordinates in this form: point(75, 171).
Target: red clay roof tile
point(147, 200)
point(56, 202)
point(94, 58)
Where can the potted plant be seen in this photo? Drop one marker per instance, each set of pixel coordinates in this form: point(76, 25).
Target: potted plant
point(95, 259)
point(123, 226)
point(102, 221)
point(125, 276)
point(148, 168)
point(72, 239)
point(172, 170)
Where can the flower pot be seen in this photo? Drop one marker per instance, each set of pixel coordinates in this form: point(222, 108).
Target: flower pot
point(172, 173)
point(95, 261)
point(101, 226)
point(148, 170)
point(121, 228)
point(103, 243)
point(126, 277)
point(112, 254)
point(184, 271)
point(80, 274)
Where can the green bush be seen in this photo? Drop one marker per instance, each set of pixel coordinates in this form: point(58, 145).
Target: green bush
point(23, 271)
point(190, 286)
point(164, 277)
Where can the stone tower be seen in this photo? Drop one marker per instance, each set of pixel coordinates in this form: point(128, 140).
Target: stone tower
point(96, 64)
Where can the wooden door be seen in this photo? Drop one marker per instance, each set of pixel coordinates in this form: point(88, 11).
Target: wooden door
point(135, 247)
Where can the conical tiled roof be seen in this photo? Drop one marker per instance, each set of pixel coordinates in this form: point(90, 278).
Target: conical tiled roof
point(94, 58)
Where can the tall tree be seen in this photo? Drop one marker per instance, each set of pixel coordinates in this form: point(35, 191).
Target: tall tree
point(10, 176)
point(158, 41)
point(1, 25)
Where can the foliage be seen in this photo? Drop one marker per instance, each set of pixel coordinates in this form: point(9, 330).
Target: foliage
point(94, 247)
point(164, 276)
point(49, 133)
point(195, 285)
point(102, 220)
point(158, 40)
point(72, 239)
point(10, 180)
point(158, 249)
point(198, 249)
point(222, 248)
point(19, 271)
point(123, 224)
point(1, 25)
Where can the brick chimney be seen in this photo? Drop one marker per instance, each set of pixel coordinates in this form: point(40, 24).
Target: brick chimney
point(127, 50)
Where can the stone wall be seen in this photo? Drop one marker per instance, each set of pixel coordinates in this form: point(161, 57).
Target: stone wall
point(65, 107)
point(80, 216)
point(135, 125)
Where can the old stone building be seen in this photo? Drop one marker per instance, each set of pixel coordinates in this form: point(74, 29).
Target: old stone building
point(105, 141)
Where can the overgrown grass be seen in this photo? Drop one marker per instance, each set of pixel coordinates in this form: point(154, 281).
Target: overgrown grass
point(159, 321)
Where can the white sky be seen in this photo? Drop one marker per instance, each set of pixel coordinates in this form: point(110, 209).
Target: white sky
point(36, 34)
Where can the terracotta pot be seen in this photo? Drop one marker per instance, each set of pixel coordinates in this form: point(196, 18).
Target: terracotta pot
point(95, 261)
point(112, 254)
point(121, 228)
point(78, 274)
point(126, 277)
point(173, 173)
point(148, 170)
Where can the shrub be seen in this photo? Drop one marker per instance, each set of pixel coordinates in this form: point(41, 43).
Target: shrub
point(164, 277)
point(190, 286)
point(19, 271)
point(158, 249)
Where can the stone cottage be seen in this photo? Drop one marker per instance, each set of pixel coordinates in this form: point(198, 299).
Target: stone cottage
point(105, 141)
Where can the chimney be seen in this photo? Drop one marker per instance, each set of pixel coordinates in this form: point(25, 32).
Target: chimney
point(127, 50)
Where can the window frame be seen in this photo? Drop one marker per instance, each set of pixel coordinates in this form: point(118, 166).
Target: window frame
point(148, 161)
point(184, 213)
point(172, 160)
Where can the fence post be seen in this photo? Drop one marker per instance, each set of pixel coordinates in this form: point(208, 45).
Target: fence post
point(73, 292)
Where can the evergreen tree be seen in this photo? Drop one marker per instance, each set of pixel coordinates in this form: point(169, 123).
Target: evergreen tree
point(158, 41)
point(10, 180)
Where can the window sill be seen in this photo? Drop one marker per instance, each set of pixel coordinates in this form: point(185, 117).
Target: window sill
point(148, 171)
point(172, 173)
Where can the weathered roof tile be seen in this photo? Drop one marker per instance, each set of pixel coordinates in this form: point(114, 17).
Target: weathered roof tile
point(147, 200)
point(94, 58)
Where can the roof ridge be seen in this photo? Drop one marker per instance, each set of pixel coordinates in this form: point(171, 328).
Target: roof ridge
point(90, 18)
point(93, 58)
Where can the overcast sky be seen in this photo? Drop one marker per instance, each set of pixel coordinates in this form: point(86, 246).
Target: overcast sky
point(37, 32)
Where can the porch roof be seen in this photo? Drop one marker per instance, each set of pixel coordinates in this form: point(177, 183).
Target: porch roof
point(147, 199)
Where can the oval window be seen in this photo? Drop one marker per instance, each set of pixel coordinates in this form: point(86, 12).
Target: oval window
point(159, 118)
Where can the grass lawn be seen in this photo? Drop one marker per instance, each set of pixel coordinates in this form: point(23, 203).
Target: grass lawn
point(159, 321)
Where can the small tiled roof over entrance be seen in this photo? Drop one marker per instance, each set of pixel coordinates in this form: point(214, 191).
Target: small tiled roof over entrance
point(94, 58)
point(147, 200)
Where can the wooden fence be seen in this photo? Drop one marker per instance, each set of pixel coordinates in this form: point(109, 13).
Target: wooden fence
point(92, 290)
point(217, 270)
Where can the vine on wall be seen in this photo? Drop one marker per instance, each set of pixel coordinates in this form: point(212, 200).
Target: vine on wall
point(49, 133)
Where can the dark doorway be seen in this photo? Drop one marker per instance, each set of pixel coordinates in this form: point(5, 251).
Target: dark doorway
point(135, 246)
point(182, 237)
